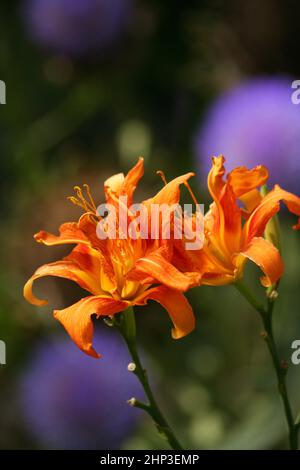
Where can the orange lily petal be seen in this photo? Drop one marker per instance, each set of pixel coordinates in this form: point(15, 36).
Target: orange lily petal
point(69, 232)
point(231, 225)
point(87, 259)
point(98, 267)
point(217, 279)
point(250, 200)
point(216, 185)
point(118, 185)
point(204, 262)
point(243, 180)
point(113, 184)
point(170, 193)
point(167, 198)
point(81, 266)
point(88, 225)
point(225, 215)
point(156, 266)
point(267, 257)
point(186, 260)
point(132, 178)
point(269, 206)
point(77, 321)
point(177, 306)
point(215, 177)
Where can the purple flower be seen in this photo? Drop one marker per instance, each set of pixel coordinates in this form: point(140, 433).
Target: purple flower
point(254, 123)
point(77, 27)
point(72, 401)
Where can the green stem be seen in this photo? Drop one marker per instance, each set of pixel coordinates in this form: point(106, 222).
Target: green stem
point(250, 297)
point(266, 315)
point(127, 328)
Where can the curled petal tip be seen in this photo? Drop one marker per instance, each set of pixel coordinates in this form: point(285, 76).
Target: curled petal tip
point(30, 297)
point(93, 353)
point(38, 302)
point(178, 334)
point(38, 236)
point(218, 159)
point(35, 301)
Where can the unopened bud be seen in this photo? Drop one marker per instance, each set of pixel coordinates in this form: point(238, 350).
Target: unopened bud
point(131, 367)
point(273, 295)
point(131, 401)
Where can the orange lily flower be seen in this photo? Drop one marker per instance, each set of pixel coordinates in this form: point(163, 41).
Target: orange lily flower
point(117, 272)
point(230, 240)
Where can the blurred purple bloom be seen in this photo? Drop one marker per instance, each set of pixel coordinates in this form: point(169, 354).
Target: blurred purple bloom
point(254, 123)
point(77, 27)
point(72, 401)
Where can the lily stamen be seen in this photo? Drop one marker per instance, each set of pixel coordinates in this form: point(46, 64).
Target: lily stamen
point(186, 184)
point(163, 177)
point(88, 191)
point(80, 200)
point(78, 203)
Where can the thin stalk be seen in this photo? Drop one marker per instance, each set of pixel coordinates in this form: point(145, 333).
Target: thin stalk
point(280, 368)
point(127, 328)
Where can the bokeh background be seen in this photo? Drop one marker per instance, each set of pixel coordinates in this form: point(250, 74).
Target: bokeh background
point(92, 84)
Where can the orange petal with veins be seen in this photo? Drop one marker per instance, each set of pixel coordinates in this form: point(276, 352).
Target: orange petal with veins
point(81, 266)
point(77, 321)
point(156, 266)
point(120, 185)
point(170, 193)
point(215, 180)
point(243, 180)
point(69, 232)
point(267, 257)
point(177, 306)
point(269, 206)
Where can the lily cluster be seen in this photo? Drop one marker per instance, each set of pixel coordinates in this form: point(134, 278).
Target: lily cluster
point(122, 272)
